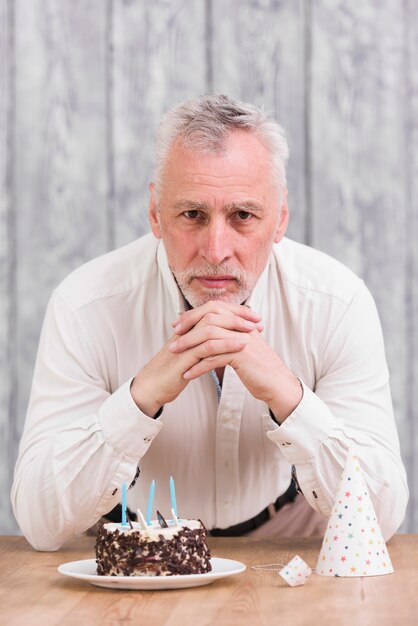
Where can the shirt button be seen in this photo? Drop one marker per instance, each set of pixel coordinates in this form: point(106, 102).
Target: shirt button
point(286, 443)
point(147, 439)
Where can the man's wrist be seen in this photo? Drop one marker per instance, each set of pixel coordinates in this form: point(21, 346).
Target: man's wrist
point(150, 408)
point(287, 403)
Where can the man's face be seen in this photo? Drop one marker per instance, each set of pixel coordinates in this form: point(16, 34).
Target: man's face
point(218, 215)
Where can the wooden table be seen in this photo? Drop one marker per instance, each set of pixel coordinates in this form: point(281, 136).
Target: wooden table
point(32, 592)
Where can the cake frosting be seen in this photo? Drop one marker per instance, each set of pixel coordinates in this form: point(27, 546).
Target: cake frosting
point(178, 549)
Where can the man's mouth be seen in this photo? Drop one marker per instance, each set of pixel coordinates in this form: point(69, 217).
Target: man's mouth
point(215, 282)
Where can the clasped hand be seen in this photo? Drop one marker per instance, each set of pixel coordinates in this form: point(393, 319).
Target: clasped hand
point(210, 337)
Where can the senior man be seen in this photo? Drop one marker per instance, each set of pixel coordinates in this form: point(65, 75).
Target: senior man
point(214, 350)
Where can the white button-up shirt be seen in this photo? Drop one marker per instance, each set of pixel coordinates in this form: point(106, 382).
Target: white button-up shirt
point(84, 434)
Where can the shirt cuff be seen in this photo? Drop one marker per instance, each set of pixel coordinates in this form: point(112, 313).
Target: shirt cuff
point(125, 426)
point(301, 434)
point(300, 437)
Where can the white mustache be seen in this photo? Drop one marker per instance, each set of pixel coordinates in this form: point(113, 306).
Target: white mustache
point(211, 271)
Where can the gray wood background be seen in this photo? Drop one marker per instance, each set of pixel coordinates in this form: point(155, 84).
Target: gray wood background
point(83, 84)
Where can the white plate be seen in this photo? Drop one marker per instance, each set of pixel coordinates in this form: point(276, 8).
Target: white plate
point(86, 570)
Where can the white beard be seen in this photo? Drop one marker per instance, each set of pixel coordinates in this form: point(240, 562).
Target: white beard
point(245, 282)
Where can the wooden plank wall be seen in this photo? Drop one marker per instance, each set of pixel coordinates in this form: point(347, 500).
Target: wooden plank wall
point(82, 87)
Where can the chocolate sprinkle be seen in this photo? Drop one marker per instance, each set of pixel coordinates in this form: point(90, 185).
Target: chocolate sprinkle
point(132, 553)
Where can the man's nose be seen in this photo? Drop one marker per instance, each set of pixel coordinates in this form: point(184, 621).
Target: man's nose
point(216, 242)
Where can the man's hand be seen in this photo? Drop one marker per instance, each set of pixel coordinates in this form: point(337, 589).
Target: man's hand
point(162, 379)
point(261, 370)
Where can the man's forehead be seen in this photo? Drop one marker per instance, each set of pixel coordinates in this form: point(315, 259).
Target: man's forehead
point(198, 205)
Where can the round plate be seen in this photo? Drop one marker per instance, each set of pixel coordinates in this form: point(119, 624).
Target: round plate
point(86, 570)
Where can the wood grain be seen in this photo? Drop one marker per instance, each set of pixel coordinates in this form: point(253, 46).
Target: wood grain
point(358, 161)
point(246, 599)
point(258, 55)
point(158, 61)
point(60, 160)
point(409, 429)
point(7, 263)
point(83, 86)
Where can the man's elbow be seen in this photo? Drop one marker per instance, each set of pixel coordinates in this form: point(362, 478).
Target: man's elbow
point(34, 526)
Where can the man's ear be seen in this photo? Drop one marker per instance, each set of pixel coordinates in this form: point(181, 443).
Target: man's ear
point(153, 216)
point(283, 219)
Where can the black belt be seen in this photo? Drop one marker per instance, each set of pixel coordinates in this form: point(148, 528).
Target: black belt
point(255, 522)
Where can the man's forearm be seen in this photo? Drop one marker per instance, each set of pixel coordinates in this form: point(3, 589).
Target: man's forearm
point(65, 482)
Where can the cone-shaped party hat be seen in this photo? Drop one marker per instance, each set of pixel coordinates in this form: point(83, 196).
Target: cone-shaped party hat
point(353, 544)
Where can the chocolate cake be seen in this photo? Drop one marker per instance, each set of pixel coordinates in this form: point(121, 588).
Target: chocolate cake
point(156, 551)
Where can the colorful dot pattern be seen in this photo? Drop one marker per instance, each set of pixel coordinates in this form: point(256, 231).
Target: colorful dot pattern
point(353, 544)
point(295, 572)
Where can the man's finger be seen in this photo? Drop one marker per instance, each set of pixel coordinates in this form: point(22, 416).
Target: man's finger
point(191, 318)
point(217, 329)
point(210, 363)
point(203, 334)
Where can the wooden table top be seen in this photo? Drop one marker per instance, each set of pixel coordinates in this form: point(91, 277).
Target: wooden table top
point(33, 592)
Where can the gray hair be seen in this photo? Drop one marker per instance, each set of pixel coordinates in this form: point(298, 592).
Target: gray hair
point(205, 123)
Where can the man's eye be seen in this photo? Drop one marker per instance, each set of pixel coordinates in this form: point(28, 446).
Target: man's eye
point(244, 215)
point(192, 215)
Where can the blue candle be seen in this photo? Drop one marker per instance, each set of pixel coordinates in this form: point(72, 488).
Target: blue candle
point(150, 502)
point(173, 496)
point(124, 522)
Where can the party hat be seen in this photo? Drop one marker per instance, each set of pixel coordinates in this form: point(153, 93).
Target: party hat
point(353, 544)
